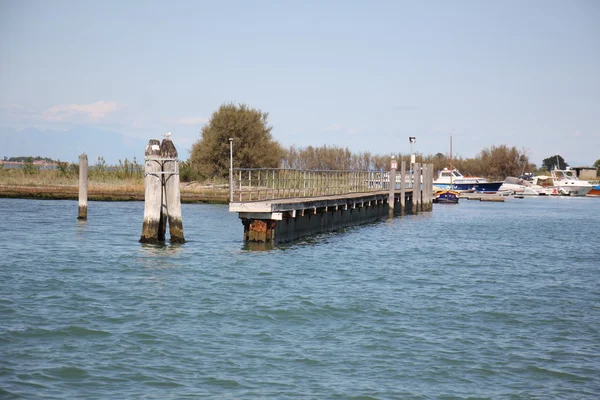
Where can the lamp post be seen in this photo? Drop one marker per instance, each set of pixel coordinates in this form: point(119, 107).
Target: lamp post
point(412, 139)
point(230, 170)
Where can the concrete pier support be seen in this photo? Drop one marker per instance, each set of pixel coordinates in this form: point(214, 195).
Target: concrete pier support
point(83, 187)
point(258, 230)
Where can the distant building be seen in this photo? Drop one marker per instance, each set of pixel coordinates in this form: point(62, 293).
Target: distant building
point(586, 173)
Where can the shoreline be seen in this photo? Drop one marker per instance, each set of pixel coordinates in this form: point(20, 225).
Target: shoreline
point(98, 194)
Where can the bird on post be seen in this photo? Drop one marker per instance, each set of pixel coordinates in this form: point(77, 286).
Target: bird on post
point(167, 135)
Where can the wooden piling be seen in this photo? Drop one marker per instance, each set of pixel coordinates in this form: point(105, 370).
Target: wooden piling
point(424, 187)
point(427, 186)
point(392, 188)
point(402, 187)
point(153, 227)
point(172, 196)
point(416, 188)
point(430, 185)
point(83, 186)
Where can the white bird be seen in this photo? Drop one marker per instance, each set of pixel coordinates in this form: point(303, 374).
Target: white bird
point(167, 135)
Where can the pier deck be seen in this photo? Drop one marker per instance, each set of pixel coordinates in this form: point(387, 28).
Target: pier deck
point(277, 209)
point(284, 205)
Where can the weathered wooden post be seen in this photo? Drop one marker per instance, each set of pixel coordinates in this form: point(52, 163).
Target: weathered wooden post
point(430, 187)
point(172, 197)
point(392, 186)
point(152, 230)
point(424, 187)
point(402, 187)
point(427, 188)
point(83, 186)
point(416, 206)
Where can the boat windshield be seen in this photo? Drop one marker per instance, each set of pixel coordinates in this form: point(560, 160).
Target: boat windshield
point(457, 174)
point(560, 174)
point(571, 175)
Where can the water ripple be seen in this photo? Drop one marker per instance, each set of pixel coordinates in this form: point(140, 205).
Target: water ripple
point(478, 301)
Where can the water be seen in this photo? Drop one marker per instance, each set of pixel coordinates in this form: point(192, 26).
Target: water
point(479, 300)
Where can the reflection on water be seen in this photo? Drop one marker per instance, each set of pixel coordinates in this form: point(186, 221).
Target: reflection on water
point(251, 246)
point(163, 255)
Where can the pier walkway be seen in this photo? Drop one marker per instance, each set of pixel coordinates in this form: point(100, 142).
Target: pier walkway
point(282, 205)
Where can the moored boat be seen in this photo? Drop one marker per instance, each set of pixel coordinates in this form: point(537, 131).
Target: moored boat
point(595, 191)
point(446, 197)
point(566, 181)
point(523, 187)
point(454, 180)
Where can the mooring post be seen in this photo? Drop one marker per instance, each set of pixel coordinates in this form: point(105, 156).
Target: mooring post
point(392, 186)
point(172, 195)
point(83, 186)
point(402, 186)
point(430, 187)
point(416, 206)
point(424, 187)
point(152, 231)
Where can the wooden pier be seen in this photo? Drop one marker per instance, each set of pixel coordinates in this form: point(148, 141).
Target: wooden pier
point(280, 205)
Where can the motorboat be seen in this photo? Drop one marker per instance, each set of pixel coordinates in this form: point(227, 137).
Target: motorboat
point(454, 180)
point(446, 197)
point(567, 182)
point(523, 187)
point(595, 191)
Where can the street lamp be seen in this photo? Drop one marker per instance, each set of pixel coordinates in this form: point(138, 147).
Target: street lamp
point(412, 139)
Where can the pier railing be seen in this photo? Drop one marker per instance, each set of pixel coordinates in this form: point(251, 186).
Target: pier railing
point(253, 184)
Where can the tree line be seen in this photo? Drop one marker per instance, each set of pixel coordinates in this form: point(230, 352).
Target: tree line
point(254, 147)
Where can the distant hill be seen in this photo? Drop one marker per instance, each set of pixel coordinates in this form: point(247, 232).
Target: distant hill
point(68, 145)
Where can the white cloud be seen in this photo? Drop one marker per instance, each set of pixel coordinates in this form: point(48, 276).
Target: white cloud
point(67, 112)
point(191, 121)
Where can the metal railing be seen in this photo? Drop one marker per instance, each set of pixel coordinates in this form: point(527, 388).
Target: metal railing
point(252, 184)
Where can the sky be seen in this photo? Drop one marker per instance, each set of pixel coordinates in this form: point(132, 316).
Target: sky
point(107, 76)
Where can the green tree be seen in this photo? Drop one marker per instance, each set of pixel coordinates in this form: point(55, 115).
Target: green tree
point(597, 166)
point(551, 163)
point(253, 145)
point(501, 161)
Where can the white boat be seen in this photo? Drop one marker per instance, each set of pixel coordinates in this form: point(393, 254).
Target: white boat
point(523, 187)
point(566, 181)
point(454, 180)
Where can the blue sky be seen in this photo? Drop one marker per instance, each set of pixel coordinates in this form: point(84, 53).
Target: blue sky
point(360, 74)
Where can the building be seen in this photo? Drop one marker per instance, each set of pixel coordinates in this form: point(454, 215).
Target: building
point(586, 173)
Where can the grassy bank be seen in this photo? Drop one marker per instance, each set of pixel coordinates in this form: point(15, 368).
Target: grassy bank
point(106, 186)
